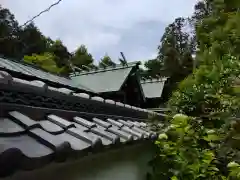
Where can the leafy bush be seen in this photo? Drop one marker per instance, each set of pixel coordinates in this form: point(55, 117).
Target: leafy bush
point(209, 90)
point(182, 153)
point(187, 151)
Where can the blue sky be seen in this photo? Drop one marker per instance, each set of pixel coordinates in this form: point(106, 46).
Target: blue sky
point(105, 26)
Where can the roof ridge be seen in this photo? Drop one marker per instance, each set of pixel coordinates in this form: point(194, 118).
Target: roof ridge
point(117, 67)
point(161, 79)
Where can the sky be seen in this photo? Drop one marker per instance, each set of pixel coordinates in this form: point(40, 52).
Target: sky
point(105, 26)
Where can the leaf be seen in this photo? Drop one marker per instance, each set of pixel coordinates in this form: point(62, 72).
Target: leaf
point(174, 178)
point(236, 137)
point(162, 136)
point(211, 137)
point(233, 165)
point(213, 169)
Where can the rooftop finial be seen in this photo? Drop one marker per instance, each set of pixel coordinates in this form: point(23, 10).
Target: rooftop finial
point(124, 61)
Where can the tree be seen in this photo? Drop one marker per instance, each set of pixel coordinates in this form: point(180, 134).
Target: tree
point(174, 52)
point(154, 67)
point(61, 53)
point(204, 145)
point(45, 61)
point(32, 40)
point(81, 57)
point(208, 94)
point(106, 61)
point(9, 34)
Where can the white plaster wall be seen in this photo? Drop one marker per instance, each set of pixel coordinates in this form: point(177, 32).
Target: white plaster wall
point(129, 163)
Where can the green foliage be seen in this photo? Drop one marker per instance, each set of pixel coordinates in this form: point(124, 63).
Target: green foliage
point(82, 57)
point(44, 61)
point(206, 146)
point(209, 91)
point(234, 170)
point(174, 53)
point(187, 151)
point(32, 40)
point(61, 53)
point(184, 151)
point(10, 47)
point(175, 50)
point(174, 58)
point(106, 61)
point(154, 67)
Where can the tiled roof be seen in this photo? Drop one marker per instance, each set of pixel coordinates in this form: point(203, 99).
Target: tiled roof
point(27, 143)
point(153, 88)
point(27, 69)
point(38, 93)
point(40, 124)
point(104, 80)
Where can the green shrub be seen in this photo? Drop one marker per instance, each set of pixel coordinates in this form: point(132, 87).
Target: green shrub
point(209, 91)
point(184, 151)
point(187, 151)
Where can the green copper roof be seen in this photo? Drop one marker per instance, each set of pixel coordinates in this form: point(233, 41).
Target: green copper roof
point(104, 80)
point(40, 74)
point(153, 88)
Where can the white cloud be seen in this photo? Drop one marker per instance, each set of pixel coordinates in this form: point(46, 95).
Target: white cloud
point(132, 26)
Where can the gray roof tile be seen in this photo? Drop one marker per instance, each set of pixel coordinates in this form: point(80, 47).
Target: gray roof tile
point(8, 127)
point(109, 101)
point(49, 140)
point(25, 144)
point(126, 136)
point(51, 127)
point(65, 90)
point(60, 121)
point(96, 98)
point(23, 120)
point(105, 141)
point(103, 133)
point(58, 136)
point(119, 104)
point(84, 122)
point(115, 123)
point(84, 136)
point(5, 77)
point(102, 123)
point(128, 106)
point(131, 131)
point(126, 123)
point(38, 85)
point(77, 141)
point(82, 95)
